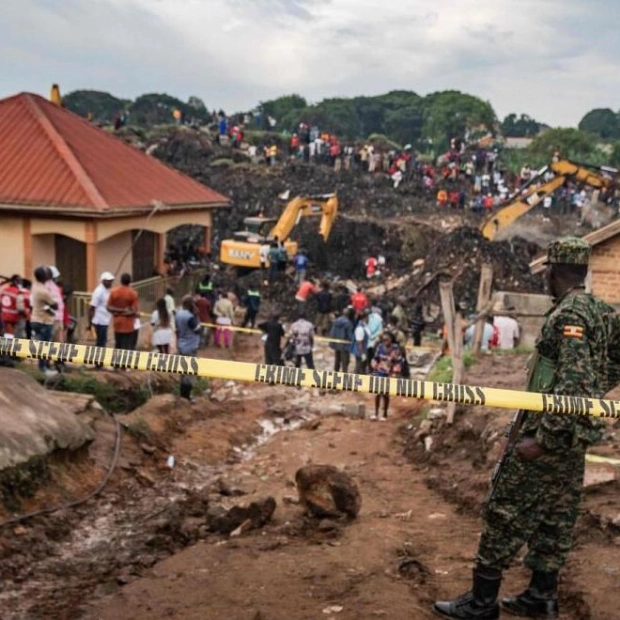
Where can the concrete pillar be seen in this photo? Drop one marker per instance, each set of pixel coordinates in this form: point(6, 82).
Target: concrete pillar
point(160, 249)
point(91, 256)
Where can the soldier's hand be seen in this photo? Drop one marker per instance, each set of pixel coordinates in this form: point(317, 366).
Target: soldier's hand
point(529, 449)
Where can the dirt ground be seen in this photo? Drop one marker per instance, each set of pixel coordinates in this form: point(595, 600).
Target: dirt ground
point(141, 550)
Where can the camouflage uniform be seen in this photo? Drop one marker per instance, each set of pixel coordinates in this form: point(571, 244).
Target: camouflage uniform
point(536, 502)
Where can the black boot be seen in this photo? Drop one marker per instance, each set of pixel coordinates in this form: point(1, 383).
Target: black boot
point(540, 600)
point(480, 603)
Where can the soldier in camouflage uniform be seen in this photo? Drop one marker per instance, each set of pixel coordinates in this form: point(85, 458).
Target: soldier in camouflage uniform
point(537, 497)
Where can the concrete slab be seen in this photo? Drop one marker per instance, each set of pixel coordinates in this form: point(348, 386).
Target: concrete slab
point(34, 422)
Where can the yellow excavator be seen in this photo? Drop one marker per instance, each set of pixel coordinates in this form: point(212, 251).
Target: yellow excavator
point(534, 192)
point(244, 249)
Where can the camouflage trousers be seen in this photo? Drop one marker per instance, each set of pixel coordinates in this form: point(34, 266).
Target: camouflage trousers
point(534, 503)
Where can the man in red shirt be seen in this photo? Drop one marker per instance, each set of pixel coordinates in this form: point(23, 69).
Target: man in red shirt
point(306, 288)
point(359, 301)
point(123, 305)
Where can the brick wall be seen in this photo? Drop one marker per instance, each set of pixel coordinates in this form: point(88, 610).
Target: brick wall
point(605, 268)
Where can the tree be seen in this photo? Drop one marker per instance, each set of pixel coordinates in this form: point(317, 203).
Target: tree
point(571, 143)
point(284, 109)
point(519, 127)
point(103, 106)
point(450, 114)
point(601, 122)
point(157, 109)
point(196, 103)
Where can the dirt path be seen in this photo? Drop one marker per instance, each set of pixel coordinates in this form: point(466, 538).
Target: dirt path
point(291, 570)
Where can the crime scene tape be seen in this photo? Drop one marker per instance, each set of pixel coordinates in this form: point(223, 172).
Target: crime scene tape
point(298, 377)
point(603, 460)
point(251, 330)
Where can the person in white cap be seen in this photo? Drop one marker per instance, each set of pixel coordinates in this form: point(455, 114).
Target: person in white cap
point(98, 315)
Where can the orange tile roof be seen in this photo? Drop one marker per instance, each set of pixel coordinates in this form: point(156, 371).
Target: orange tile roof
point(52, 158)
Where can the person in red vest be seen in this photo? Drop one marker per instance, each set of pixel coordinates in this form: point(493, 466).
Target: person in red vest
point(294, 144)
point(12, 303)
point(371, 267)
point(359, 301)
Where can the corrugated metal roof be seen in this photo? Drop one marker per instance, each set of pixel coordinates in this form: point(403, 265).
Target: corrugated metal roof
point(50, 157)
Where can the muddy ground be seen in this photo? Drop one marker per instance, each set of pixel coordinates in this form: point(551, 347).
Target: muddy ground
point(145, 549)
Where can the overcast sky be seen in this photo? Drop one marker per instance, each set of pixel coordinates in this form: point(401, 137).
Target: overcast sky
point(552, 59)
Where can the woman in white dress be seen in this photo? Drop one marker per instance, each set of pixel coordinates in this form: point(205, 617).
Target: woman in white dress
point(162, 327)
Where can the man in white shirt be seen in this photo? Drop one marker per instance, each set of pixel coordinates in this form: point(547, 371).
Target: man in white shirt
point(507, 326)
point(98, 315)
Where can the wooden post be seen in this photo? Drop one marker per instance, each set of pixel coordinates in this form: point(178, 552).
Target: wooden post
point(454, 324)
point(484, 296)
point(447, 306)
point(458, 366)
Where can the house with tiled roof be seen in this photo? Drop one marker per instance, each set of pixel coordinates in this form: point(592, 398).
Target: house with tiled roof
point(604, 276)
point(74, 196)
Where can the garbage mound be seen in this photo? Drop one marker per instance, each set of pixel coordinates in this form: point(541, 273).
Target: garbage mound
point(460, 255)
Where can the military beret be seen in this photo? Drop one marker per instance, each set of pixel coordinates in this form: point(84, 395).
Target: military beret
point(569, 251)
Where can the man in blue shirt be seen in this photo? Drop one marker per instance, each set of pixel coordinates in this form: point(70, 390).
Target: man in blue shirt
point(301, 266)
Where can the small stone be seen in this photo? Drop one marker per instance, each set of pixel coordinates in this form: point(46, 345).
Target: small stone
point(333, 609)
point(311, 425)
point(20, 530)
point(436, 414)
point(144, 478)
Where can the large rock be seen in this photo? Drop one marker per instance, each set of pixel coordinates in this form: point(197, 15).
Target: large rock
point(35, 422)
point(325, 491)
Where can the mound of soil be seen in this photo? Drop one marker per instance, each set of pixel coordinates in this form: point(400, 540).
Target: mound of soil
point(459, 255)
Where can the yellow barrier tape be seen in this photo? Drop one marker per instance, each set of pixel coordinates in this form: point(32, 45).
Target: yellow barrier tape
point(605, 460)
point(298, 377)
point(251, 330)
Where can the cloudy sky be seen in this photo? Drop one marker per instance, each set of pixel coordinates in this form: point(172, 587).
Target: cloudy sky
point(552, 59)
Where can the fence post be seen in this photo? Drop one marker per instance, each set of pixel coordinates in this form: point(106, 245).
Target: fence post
point(454, 323)
point(484, 295)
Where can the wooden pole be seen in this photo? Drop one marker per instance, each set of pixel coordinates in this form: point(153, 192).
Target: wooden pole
point(458, 365)
point(484, 296)
point(447, 306)
point(454, 323)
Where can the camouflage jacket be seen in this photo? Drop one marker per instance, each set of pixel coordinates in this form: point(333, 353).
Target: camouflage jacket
point(576, 348)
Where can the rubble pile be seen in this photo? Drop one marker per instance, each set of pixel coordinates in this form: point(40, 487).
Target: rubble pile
point(373, 218)
point(460, 255)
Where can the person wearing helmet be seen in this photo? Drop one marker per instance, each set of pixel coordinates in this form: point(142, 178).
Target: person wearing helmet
point(99, 317)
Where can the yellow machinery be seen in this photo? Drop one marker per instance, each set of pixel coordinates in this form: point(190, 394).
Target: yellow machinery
point(244, 249)
point(534, 192)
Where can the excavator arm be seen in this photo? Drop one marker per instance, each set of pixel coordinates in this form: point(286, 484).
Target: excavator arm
point(246, 253)
point(519, 204)
point(302, 206)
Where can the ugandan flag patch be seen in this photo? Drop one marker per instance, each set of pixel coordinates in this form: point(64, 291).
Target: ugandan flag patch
point(572, 331)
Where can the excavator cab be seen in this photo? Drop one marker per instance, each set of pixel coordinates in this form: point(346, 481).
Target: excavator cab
point(255, 229)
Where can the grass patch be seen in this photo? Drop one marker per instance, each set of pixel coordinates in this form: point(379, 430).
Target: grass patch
point(22, 481)
point(109, 396)
point(139, 429)
point(442, 370)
